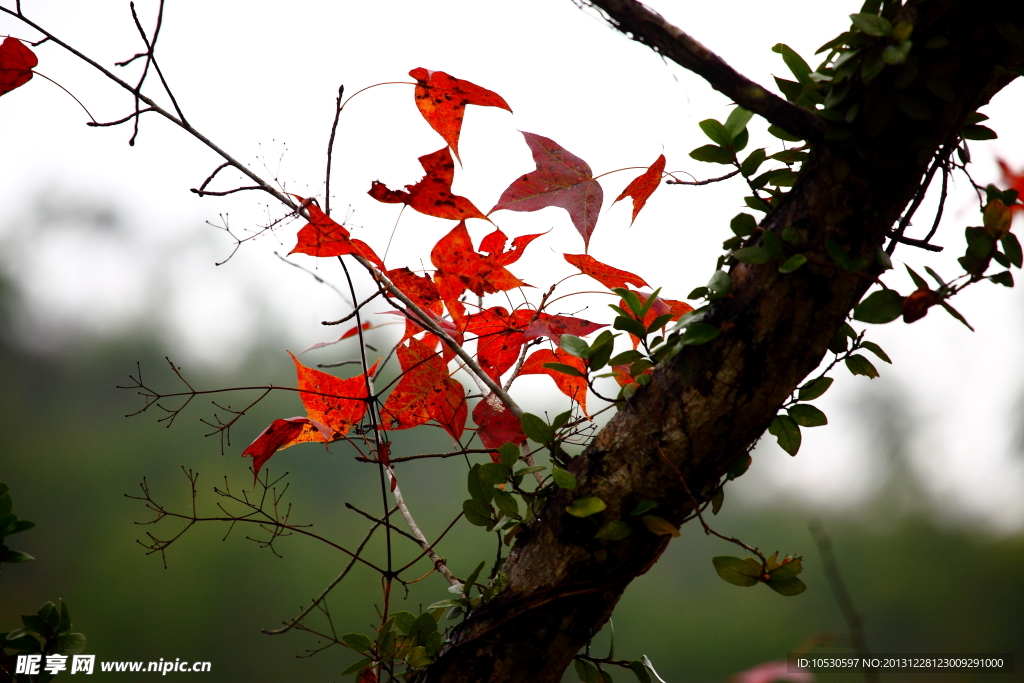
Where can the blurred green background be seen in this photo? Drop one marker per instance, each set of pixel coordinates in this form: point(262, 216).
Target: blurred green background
point(69, 456)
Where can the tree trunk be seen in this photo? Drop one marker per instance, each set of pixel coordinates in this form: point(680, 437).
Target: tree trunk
point(707, 406)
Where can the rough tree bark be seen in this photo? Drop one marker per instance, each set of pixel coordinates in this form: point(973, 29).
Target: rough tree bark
point(705, 408)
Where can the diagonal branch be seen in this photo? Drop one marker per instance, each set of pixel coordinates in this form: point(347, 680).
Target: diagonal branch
point(648, 27)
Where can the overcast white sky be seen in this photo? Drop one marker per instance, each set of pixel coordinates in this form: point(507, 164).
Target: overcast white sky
point(260, 81)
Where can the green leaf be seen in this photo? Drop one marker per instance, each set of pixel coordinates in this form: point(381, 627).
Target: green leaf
point(6, 503)
point(477, 489)
point(506, 502)
point(956, 314)
point(882, 306)
point(1004, 278)
point(357, 641)
point(753, 162)
point(919, 281)
point(575, 346)
point(720, 283)
point(978, 133)
point(65, 618)
point(794, 61)
point(786, 432)
point(644, 506)
point(1011, 247)
point(737, 121)
point(660, 526)
point(783, 134)
point(494, 473)
point(807, 415)
point(640, 671)
point(508, 454)
point(616, 530)
point(773, 244)
point(584, 507)
point(418, 657)
point(717, 500)
point(697, 334)
point(717, 132)
point(659, 322)
point(787, 570)
point(713, 154)
point(736, 571)
point(877, 350)
point(601, 350)
point(754, 255)
point(586, 671)
point(757, 204)
point(631, 325)
point(537, 429)
point(357, 667)
point(15, 556)
point(564, 369)
point(859, 365)
point(872, 24)
point(788, 587)
point(794, 262)
point(563, 478)
point(739, 467)
point(814, 388)
point(743, 225)
point(477, 513)
point(626, 357)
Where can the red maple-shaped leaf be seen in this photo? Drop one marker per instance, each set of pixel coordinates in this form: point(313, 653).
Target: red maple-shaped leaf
point(425, 392)
point(553, 326)
point(324, 237)
point(605, 274)
point(280, 435)
point(561, 179)
point(337, 403)
point(16, 64)
point(498, 342)
point(460, 267)
point(494, 245)
point(643, 186)
point(496, 425)
point(433, 194)
point(570, 385)
point(1014, 181)
point(442, 100)
point(422, 291)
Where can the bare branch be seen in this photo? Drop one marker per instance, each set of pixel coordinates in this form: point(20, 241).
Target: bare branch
point(648, 27)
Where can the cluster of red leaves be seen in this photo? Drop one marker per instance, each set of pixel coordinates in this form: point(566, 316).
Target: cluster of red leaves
point(426, 391)
point(16, 64)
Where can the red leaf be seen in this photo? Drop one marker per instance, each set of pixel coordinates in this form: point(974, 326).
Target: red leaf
point(337, 403)
point(442, 100)
point(459, 268)
point(561, 179)
point(494, 244)
point(1015, 181)
point(573, 387)
point(643, 186)
point(554, 326)
point(433, 194)
point(605, 274)
point(425, 392)
point(496, 425)
point(282, 434)
point(421, 290)
point(323, 237)
point(498, 340)
point(16, 64)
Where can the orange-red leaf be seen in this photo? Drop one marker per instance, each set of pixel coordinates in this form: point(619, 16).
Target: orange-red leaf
point(425, 392)
point(433, 194)
point(337, 403)
point(282, 434)
point(496, 425)
point(561, 179)
point(605, 274)
point(421, 290)
point(498, 340)
point(554, 326)
point(323, 237)
point(573, 387)
point(460, 267)
point(643, 186)
point(494, 245)
point(16, 64)
point(442, 100)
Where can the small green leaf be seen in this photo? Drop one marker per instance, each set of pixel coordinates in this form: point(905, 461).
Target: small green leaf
point(737, 121)
point(713, 154)
point(1011, 247)
point(720, 284)
point(631, 325)
point(786, 432)
point(626, 357)
point(418, 657)
point(697, 334)
point(794, 61)
point(537, 429)
point(787, 570)
point(757, 204)
point(743, 225)
point(563, 478)
point(754, 255)
point(739, 467)
point(814, 388)
point(783, 134)
point(586, 671)
point(660, 526)
point(794, 262)
point(753, 162)
point(584, 507)
point(15, 556)
point(494, 473)
point(716, 131)
point(717, 500)
point(773, 244)
point(357, 667)
point(788, 587)
point(616, 530)
point(736, 571)
point(807, 415)
point(477, 489)
point(640, 671)
point(1005, 278)
point(65, 618)
point(357, 641)
point(473, 577)
point(506, 502)
point(956, 314)
point(508, 454)
point(644, 506)
point(564, 369)
point(978, 133)
point(575, 346)
point(872, 24)
point(859, 365)
point(877, 350)
point(882, 306)
point(477, 513)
